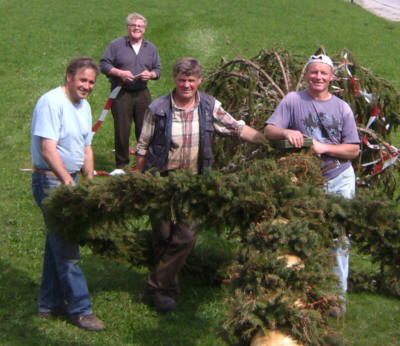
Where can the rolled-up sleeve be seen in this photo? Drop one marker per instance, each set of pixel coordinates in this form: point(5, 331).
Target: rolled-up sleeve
point(224, 123)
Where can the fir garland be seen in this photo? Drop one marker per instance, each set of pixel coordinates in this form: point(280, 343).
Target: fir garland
point(271, 201)
point(251, 89)
point(272, 205)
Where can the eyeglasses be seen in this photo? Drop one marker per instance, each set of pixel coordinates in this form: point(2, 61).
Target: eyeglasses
point(139, 26)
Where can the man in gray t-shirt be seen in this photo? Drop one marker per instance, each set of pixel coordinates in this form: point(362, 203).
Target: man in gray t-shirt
point(61, 148)
point(329, 121)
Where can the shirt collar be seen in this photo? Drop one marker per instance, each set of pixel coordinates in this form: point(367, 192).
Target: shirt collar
point(196, 102)
point(128, 42)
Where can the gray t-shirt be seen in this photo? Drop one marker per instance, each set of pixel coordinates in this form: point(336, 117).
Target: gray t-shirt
point(56, 117)
point(331, 121)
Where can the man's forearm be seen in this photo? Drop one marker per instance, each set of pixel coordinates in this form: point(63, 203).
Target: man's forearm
point(274, 133)
point(88, 165)
point(55, 162)
point(251, 135)
point(140, 162)
point(346, 151)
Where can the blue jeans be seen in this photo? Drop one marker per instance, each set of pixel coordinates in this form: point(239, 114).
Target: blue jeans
point(63, 282)
point(345, 185)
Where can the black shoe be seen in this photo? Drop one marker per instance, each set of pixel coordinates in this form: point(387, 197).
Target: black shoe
point(161, 302)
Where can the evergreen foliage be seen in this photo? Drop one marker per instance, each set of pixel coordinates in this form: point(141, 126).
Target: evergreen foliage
point(272, 205)
point(270, 201)
point(251, 89)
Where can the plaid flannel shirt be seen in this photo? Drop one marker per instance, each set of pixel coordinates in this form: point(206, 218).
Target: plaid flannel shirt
point(184, 152)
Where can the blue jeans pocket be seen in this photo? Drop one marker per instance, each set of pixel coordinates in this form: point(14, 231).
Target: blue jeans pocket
point(42, 184)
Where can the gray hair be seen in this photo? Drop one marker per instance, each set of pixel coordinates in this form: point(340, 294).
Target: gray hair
point(188, 66)
point(133, 16)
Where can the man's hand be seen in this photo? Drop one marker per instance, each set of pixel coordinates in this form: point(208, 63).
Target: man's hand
point(147, 75)
point(296, 138)
point(275, 133)
point(318, 147)
point(126, 76)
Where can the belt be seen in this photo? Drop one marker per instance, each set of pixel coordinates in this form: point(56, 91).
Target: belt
point(332, 165)
point(133, 90)
point(49, 172)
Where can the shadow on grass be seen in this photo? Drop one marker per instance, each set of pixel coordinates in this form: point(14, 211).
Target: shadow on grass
point(196, 321)
point(19, 324)
point(199, 313)
point(104, 274)
point(116, 290)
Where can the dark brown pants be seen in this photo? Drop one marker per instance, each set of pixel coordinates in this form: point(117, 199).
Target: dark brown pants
point(172, 245)
point(128, 106)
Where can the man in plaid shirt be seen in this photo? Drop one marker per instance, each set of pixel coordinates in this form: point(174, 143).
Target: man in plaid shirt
point(177, 133)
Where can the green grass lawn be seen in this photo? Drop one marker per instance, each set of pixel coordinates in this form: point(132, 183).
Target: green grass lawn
point(38, 38)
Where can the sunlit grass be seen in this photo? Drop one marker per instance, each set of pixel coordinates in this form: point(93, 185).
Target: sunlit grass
point(38, 38)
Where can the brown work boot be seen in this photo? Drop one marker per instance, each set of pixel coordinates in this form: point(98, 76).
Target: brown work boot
point(88, 322)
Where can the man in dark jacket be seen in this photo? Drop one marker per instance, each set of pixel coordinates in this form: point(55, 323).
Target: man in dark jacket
point(177, 133)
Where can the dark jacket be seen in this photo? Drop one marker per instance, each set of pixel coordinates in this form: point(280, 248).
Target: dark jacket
point(157, 155)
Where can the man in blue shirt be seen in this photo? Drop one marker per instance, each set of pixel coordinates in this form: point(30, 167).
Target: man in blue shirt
point(61, 148)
